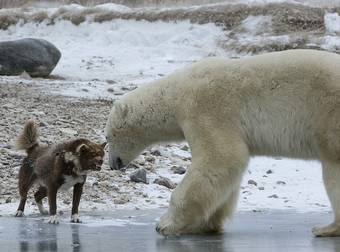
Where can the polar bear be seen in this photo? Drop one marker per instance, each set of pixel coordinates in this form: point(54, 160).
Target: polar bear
point(276, 104)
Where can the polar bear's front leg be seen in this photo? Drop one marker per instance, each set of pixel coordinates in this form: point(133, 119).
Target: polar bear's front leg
point(214, 175)
point(225, 211)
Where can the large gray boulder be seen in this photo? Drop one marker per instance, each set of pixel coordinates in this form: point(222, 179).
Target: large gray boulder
point(37, 57)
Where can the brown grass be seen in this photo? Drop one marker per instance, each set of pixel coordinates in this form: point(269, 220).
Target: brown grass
point(131, 3)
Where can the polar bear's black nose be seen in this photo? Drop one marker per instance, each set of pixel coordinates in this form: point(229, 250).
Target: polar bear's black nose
point(116, 163)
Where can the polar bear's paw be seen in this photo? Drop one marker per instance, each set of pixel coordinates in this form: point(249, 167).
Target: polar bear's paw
point(166, 226)
point(327, 231)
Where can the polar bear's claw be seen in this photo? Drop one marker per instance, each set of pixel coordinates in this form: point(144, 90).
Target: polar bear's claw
point(327, 231)
point(166, 226)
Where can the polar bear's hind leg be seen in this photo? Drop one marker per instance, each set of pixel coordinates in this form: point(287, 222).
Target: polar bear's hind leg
point(331, 178)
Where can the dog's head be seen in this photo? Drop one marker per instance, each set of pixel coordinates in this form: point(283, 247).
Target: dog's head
point(86, 156)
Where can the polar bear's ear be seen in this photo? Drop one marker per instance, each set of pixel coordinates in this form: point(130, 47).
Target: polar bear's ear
point(122, 110)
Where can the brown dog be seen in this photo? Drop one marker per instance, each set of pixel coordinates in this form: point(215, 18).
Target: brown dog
point(54, 167)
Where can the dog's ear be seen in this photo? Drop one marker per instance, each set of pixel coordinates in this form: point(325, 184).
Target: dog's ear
point(103, 145)
point(82, 148)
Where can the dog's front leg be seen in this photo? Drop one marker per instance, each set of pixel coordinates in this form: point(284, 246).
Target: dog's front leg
point(77, 191)
point(52, 201)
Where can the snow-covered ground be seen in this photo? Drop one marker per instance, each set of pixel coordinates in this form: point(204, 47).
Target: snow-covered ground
point(108, 59)
point(121, 52)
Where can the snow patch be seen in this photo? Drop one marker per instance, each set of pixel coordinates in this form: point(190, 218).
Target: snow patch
point(121, 50)
point(256, 24)
point(113, 7)
point(332, 22)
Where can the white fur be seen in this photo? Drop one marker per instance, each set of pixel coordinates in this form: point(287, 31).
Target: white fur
point(72, 158)
point(75, 218)
point(71, 181)
point(19, 213)
point(277, 104)
point(53, 219)
point(41, 208)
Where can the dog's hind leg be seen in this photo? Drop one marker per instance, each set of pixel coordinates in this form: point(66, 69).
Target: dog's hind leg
point(26, 180)
point(38, 196)
point(331, 178)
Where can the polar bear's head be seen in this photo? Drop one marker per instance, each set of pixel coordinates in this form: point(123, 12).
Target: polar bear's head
point(124, 136)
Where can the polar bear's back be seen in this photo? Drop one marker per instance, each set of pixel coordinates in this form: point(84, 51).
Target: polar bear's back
point(275, 100)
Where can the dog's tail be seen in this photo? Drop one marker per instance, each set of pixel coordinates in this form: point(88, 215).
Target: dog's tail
point(28, 137)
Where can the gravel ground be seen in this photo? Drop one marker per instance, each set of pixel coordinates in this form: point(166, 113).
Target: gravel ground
point(63, 118)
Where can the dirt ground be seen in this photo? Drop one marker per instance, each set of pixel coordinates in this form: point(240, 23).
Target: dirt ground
point(62, 118)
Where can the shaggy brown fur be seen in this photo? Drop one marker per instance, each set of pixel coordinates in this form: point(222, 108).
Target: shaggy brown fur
point(54, 167)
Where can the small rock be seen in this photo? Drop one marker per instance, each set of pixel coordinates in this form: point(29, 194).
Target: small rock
point(178, 170)
point(9, 200)
point(128, 88)
point(119, 93)
point(120, 201)
point(269, 172)
point(261, 188)
point(5, 146)
point(273, 196)
point(67, 202)
point(110, 90)
point(139, 176)
point(156, 153)
point(111, 82)
point(164, 182)
point(150, 159)
point(42, 124)
point(185, 148)
point(252, 182)
point(280, 182)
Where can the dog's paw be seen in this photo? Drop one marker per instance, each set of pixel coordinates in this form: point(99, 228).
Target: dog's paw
point(53, 219)
point(327, 231)
point(75, 218)
point(42, 210)
point(19, 213)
